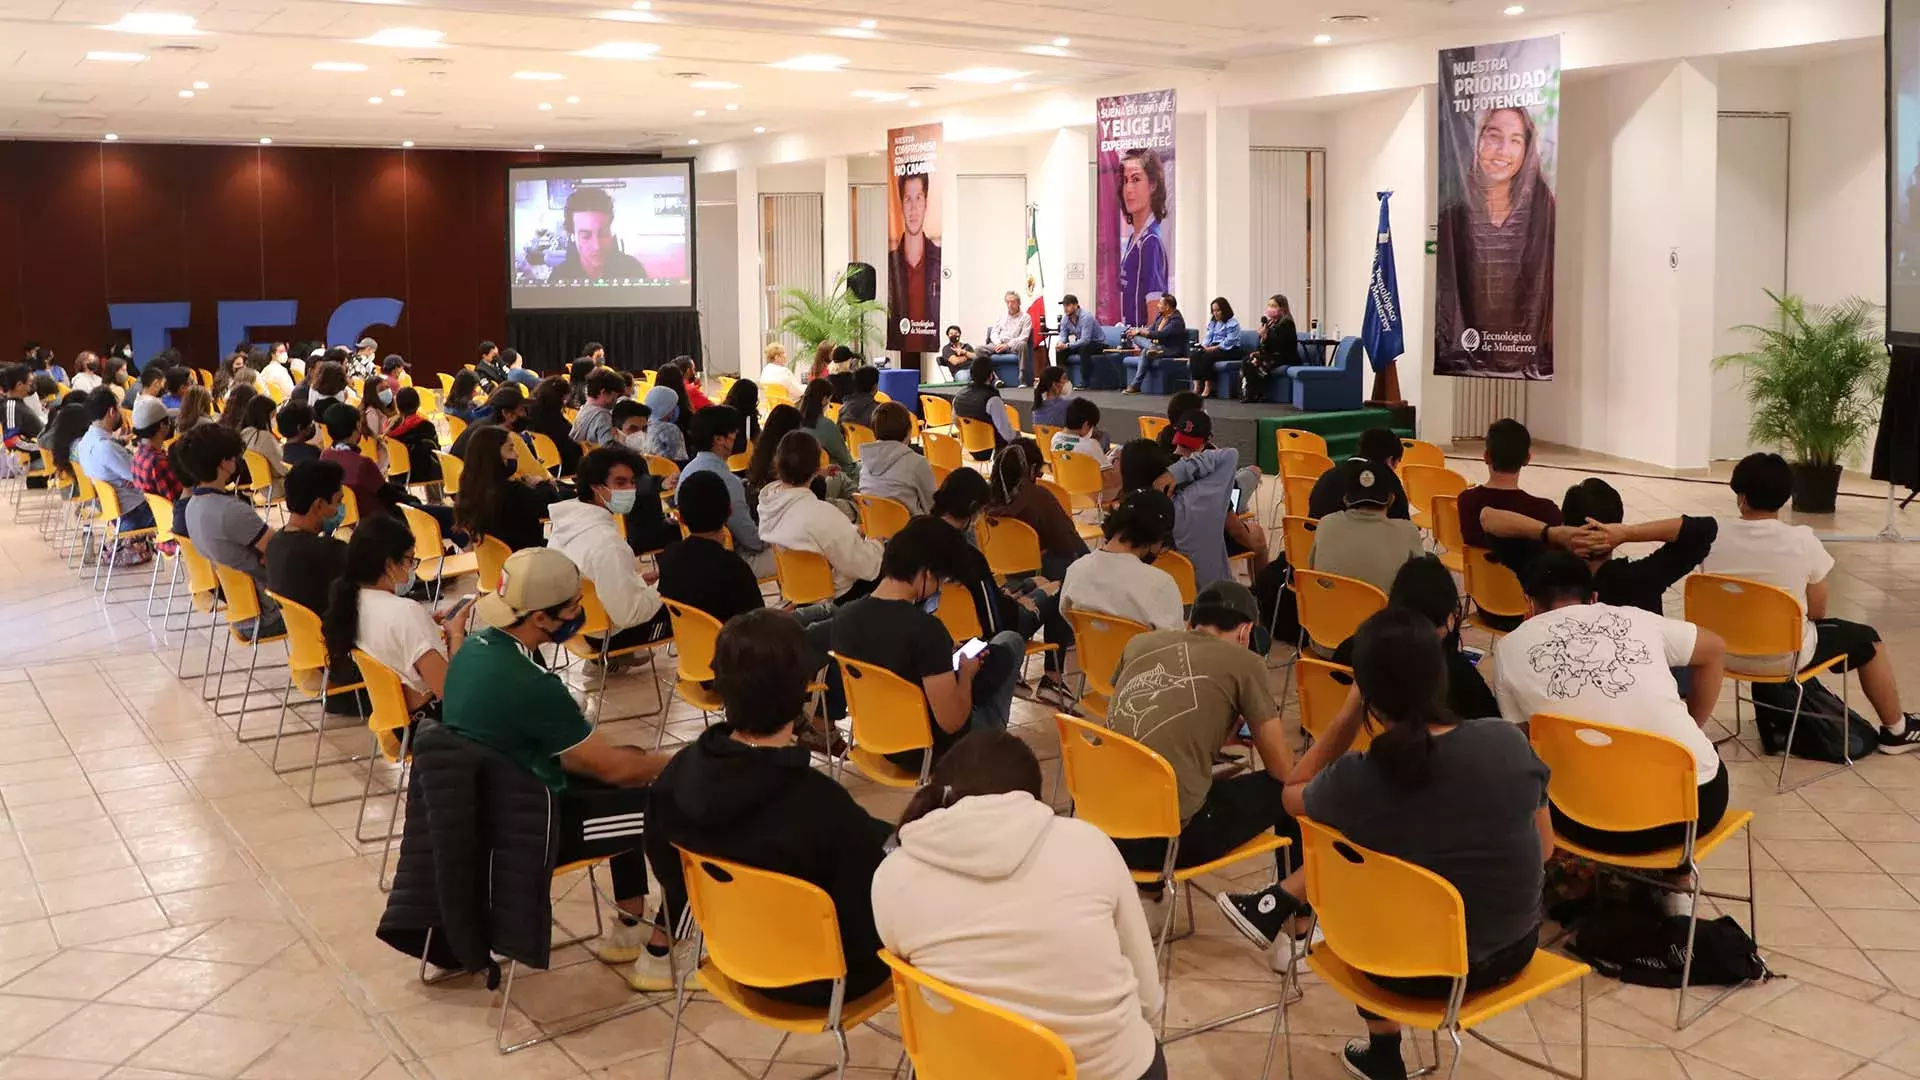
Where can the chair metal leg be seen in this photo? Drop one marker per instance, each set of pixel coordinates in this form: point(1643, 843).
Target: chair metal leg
point(399, 786)
point(1780, 786)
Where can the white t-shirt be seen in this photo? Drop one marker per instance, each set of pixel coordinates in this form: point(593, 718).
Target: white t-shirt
point(1772, 552)
point(1606, 664)
point(1081, 444)
point(1112, 583)
point(397, 631)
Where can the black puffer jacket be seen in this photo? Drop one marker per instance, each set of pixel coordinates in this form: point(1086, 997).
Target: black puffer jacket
point(476, 860)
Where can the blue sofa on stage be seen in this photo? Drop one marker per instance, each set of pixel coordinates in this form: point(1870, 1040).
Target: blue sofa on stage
point(1311, 387)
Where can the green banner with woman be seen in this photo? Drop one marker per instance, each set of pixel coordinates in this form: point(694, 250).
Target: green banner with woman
point(1499, 135)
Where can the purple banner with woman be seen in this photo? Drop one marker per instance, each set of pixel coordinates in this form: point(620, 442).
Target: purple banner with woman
point(1133, 261)
point(1499, 137)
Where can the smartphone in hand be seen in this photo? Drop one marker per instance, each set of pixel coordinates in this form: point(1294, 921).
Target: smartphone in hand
point(972, 648)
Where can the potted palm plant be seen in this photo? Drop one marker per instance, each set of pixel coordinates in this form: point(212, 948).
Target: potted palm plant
point(834, 316)
point(1814, 382)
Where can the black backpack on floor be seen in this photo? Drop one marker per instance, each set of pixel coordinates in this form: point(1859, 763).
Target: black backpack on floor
point(1823, 718)
point(1636, 945)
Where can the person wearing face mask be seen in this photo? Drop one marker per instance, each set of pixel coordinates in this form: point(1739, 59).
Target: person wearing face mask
point(894, 627)
point(226, 528)
point(303, 559)
point(500, 693)
point(664, 437)
point(497, 500)
point(368, 609)
point(631, 419)
point(1119, 578)
point(956, 355)
point(275, 375)
point(609, 483)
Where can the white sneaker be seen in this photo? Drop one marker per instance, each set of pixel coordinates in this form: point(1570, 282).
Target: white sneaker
point(623, 944)
point(1288, 948)
point(652, 974)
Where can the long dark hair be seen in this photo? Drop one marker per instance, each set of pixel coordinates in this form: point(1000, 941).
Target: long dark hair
point(744, 396)
point(1049, 378)
point(548, 404)
point(69, 424)
point(376, 542)
point(1402, 676)
point(258, 413)
point(782, 419)
point(1014, 469)
point(981, 763)
point(814, 402)
point(1425, 585)
point(483, 481)
point(235, 409)
point(963, 495)
point(1156, 183)
point(465, 385)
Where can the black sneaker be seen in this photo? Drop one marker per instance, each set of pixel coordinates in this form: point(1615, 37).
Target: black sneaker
point(1905, 741)
point(1359, 1061)
point(1262, 916)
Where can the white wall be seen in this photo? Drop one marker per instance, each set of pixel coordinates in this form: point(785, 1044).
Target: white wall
point(1837, 234)
point(716, 239)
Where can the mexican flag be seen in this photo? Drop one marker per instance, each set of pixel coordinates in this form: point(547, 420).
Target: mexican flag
point(1036, 280)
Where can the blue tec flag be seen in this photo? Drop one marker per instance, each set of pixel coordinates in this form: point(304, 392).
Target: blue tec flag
point(1382, 332)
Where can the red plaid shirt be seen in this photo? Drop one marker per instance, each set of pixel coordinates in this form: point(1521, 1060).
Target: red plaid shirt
point(153, 475)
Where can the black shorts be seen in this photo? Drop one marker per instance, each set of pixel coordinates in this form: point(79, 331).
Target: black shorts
point(1857, 642)
point(598, 820)
point(1712, 805)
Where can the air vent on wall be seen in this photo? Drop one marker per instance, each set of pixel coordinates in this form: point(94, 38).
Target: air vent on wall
point(65, 97)
point(182, 47)
point(1348, 20)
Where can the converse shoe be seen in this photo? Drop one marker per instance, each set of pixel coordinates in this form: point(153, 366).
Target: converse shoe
point(1908, 739)
point(1362, 1064)
point(624, 943)
point(1261, 916)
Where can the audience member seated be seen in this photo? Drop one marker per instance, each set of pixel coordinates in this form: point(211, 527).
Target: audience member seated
point(506, 407)
point(460, 402)
point(298, 432)
point(956, 355)
point(743, 397)
point(1379, 449)
point(1219, 343)
point(1165, 338)
point(1279, 350)
point(1080, 434)
point(20, 422)
point(697, 398)
point(664, 437)
point(501, 694)
point(815, 421)
point(981, 401)
point(418, 435)
point(1179, 404)
point(712, 437)
point(630, 422)
point(1361, 541)
point(857, 407)
point(1016, 493)
point(303, 559)
point(1595, 510)
point(368, 609)
point(547, 414)
point(1758, 546)
point(776, 371)
point(699, 571)
point(327, 387)
point(1026, 604)
point(1509, 449)
point(1011, 335)
point(495, 499)
point(1225, 683)
point(514, 367)
point(376, 407)
point(152, 471)
point(1463, 797)
point(584, 530)
point(1080, 336)
point(179, 378)
point(993, 893)
point(593, 424)
point(1052, 393)
point(1118, 578)
point(227, 529)
point(1592, 661)
point(106, 460)
point(1203, 477)
point(792, 516)
point(255, 424)
point(746, 791)
point(890, 467)
point(892, 628)
point(1424, 585)
point(363, 476)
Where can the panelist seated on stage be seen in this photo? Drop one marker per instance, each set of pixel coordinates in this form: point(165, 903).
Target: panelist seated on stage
point(1011, 336)
point(1164, 337)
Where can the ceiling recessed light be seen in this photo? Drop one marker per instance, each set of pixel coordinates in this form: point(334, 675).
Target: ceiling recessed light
point(880, 95)
point(913, 103)
point(699, 112)
point(985, 75)
point(339, 65)
point(1322, 39)
point(186, 93)
point(862, 31)
point(714, 84)
point(201, 86)
point(539, 146)
point(375, 100)
point(405, 37)
point(869, 24)
point(621, 50)
point(642, 5)
point(1061, 43)
point(1044, 50)
point(111, 137)
point(1516, 9)
point(759, 130)
point(813, 62)
point(732, 107)
point(538, 76)
point(573, 99)
point(406, 144)
point(154, 22)
point(111, 57)
point(545, 106)
point(628, 16)
point(693, 142)
point(266, 140)
point(1019, 88)
point(397, 92)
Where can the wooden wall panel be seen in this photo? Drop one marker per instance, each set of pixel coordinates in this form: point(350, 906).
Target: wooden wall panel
point(61, 248)
point(444, 260)
point(221, 193)
point(143, 210)
point(297, 261)
point(13, 320)
point(370, 232)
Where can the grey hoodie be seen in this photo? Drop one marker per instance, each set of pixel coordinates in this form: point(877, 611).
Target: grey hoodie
point(893, 470)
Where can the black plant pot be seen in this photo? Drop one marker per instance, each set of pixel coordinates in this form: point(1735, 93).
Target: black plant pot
point(1815, 488)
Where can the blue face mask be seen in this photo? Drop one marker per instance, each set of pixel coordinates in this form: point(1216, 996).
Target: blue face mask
point(621, 501)
point(405, 587)
point(336, 519)
point(568, 628)
point(386, 397)
point(931, 605)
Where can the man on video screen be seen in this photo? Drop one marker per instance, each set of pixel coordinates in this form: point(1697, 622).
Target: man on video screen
point(593, 254)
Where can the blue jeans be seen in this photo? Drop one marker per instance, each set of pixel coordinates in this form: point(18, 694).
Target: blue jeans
point(993, 686)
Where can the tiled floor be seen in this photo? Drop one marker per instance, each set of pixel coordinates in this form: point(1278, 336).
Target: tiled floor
point(170, 907)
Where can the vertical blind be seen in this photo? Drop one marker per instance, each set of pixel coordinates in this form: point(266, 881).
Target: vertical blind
point(1289, 223)
point(792, 235)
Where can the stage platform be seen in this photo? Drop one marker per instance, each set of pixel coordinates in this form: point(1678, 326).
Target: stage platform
point(1247, 428)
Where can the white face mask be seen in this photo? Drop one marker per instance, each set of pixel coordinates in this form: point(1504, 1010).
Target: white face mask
point(635, 440)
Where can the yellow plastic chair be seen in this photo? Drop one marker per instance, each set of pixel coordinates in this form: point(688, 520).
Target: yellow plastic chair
point(1128, 791)
point(391, 723)
point(84, 508)
point(1332, 607)
point(399, 460)
point(546, 451)
point(110, 513)
point(664, 468)
point(527, 463)
point(831, 410)
point(695, 634)
point(308, 674)
point(977, 436)
point(1324, 687)
point(1494, 590)
point(260, 481)
point(1043, 436)
point(1304, 463)
point(943, 451)
point(490, 558)
point(455, 426)
point(1285, 439)
point(773, 394)
point(203, 596)
point(599, 626)
point(950, 1034)
point(1011, 546)
point(1423, 483)
point(940, 473)
point(805, 576)
point(1446, 533)
point(242, 599)
point(744, 949)
point(937, 412)
point(1762, 626)
point(1296, 539)
point(1385, 916)
point(1180, 568)
point(1080, 475)
point(1297, 493)
point(450, 468)
point(889, 716)
point(1013, 415)
point(1101, 640)
point(962, 619)
point(350, 504)
point(426, 538)
point(1152, 426)
point(856, 436)
point(881, 517)
point(1415, 452)
point(446, 383)
point(726, 384)
point(1623, 780)
point(162, 512)
point(204, 376)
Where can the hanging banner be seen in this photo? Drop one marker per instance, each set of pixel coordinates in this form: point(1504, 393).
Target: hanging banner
point(1499, 137)
point(913, 245)
point(1381, 331)
point(1134, 249)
